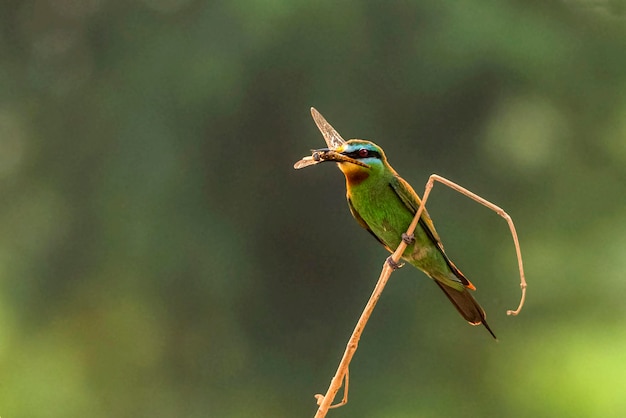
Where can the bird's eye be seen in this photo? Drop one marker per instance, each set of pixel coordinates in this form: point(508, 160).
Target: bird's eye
point(363, 153)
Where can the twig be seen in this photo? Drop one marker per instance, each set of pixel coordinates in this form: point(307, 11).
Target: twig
point(499, 211)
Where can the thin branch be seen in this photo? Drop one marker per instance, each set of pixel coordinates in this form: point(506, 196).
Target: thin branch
point(499, 211)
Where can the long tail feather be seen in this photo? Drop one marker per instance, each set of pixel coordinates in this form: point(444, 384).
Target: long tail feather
point(467, 306)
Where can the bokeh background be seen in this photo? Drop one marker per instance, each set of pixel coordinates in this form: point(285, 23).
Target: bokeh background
point(160, 257)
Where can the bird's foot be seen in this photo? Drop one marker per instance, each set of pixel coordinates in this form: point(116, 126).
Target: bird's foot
point(408, 239)
point(393, 264)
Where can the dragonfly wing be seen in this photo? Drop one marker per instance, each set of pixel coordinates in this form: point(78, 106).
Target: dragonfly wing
point(331, 136)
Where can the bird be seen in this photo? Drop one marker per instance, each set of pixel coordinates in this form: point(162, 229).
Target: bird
point(384, 204)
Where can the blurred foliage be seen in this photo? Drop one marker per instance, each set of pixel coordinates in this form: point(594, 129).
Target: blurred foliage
point(160, 257)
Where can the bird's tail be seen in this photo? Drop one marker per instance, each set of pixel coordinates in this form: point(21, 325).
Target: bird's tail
point(466, 305)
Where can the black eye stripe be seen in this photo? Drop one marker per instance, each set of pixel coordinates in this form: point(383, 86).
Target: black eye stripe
point(357, 156)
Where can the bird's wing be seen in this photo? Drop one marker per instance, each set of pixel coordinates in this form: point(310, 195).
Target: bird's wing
point(364, 224)
point(410, 199)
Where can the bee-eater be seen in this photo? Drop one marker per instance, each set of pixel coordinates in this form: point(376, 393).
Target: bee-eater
point(384, 204)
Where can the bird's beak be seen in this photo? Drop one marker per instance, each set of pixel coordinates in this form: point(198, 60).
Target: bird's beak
point(327, 154)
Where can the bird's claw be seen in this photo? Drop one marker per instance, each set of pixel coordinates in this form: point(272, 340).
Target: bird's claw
point(393, 264)
point(408, 239)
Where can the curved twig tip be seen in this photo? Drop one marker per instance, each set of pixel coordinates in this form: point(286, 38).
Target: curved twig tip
point(521, 302)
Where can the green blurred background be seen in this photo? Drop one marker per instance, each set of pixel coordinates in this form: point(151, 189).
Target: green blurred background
point(160, 257)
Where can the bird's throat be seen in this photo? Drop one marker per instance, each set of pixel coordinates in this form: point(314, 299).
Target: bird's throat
point(355, 174)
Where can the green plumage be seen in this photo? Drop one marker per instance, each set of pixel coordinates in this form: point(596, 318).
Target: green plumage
point(384, 204)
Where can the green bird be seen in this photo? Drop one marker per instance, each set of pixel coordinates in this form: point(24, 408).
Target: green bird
point(384, 204)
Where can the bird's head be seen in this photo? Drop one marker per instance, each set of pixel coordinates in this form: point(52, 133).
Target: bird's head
point(355, 155)
point(359, 155)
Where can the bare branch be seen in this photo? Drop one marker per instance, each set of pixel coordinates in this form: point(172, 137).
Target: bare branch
point(499, 211)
